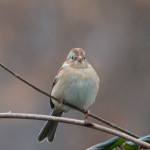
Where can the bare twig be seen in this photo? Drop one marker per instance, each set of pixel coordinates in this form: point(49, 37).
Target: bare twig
point(75, 122)
point(77, 108)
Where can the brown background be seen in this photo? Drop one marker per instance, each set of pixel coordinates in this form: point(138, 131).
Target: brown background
point(35, 38)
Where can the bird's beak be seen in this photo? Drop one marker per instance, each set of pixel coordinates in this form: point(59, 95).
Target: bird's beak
point(79, 59)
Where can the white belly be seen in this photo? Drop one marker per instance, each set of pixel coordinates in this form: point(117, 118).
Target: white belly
point(78, 87)
point(79, 93)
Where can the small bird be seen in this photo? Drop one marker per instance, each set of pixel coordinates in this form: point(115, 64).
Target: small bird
point(76, 83)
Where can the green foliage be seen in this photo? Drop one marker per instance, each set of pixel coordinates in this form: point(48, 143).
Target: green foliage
point(109, 145)
point(130, 147)
point(133, 146)
point(117, 141)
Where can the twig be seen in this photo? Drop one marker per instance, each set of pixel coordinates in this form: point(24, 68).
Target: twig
point(77, 108)
point(75, 122)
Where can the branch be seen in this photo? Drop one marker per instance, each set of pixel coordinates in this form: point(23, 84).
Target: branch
point(74, 122)
point(74, 107)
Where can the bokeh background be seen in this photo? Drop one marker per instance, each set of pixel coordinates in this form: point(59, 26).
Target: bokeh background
point(35, 38)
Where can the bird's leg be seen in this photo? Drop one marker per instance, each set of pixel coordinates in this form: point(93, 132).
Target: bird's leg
point(62, 102)
point(87, 112)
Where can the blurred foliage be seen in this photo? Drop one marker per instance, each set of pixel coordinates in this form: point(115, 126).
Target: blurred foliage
point(116, 142)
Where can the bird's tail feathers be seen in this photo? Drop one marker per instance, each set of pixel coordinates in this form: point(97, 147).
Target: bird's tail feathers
point(49, 129)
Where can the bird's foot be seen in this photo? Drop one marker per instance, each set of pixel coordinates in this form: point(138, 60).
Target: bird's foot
point(62, 102)
point(87, 112)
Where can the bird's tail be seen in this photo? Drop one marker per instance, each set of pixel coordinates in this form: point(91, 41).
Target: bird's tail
point(49, 129)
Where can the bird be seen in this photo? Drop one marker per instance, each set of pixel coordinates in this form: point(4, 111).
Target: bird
point(77, 83)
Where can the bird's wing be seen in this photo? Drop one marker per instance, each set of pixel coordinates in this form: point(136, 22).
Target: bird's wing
point(54, 83)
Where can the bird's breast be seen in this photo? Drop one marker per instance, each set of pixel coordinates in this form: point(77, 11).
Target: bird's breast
point(78, 89)
point(80, 93)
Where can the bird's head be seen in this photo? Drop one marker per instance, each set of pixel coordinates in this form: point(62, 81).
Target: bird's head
point(77, 58)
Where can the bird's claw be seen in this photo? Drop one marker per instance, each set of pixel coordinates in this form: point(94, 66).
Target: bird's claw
point(61, 103)
point(87, 112)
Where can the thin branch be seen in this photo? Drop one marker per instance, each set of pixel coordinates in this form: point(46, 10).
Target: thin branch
point(74, 107)
point(74, 122)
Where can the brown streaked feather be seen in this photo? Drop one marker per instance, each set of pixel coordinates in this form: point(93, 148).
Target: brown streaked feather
point(54, 83)
point(51, 103)
point(77, 52)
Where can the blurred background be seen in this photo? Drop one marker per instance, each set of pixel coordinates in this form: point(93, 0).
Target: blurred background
point(35, 38)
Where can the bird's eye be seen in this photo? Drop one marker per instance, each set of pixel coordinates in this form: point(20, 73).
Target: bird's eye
point(72, 57)
point(84, 57)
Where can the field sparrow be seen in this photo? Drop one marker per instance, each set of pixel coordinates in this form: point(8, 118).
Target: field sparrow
point(77, 83)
